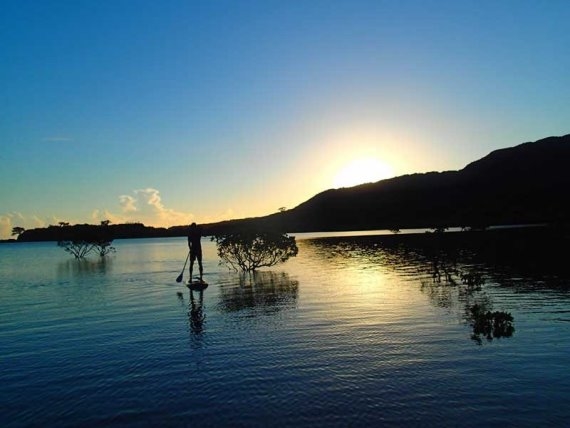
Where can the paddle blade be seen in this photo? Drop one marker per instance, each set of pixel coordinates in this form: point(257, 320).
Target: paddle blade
point(179, 279)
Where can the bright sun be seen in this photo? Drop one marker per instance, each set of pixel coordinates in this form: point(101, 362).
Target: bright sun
point(359, 171)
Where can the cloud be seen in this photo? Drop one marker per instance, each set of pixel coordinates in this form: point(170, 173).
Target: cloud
point(141, 206)
point(97, 216)
point(149, 204)
point(144, 206)
point(151, 197)
point(16, 219)
point(128, 203)
point(5, 226)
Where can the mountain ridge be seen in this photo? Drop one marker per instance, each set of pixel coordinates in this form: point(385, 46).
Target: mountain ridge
point(523, 184)
point(515, 185)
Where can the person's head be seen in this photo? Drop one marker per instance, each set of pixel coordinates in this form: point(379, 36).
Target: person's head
point(193, 225)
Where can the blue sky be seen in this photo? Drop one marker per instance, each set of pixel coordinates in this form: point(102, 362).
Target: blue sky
point(167, 112)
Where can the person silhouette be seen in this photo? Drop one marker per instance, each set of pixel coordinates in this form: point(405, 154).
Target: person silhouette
point(194, 236)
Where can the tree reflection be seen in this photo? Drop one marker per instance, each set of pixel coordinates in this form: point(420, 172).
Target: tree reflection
point(489, 325)
point(260, 292)
point(464, 284)
point(452, 273)
point(81, 267)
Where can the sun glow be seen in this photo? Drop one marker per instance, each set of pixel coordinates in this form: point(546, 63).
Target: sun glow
point(359, 171)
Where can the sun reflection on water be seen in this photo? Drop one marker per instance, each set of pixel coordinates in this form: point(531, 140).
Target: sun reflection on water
point(362, 294)
point(381, 325)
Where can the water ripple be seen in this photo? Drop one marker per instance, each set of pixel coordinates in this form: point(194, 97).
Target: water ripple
point(352, 332)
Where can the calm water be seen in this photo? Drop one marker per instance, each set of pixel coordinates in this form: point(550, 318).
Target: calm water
point(352, 332)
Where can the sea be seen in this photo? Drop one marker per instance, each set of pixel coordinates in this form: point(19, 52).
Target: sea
point(354, 331)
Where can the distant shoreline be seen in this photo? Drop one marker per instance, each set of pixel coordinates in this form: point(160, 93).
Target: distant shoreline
point(413, 231)
point(543, 228)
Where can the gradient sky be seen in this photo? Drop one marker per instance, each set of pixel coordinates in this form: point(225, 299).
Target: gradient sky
point(167, 112)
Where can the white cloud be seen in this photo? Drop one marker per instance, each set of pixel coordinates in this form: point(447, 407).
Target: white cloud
point(5, 226)
point(97, 216)
point(144, 206)
point(16, 219)
point(128, 203)
point(149, 207)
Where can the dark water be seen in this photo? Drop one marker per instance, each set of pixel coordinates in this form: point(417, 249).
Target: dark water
point(353, 332)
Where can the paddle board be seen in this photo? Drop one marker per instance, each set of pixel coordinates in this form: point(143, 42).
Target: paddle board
point(197, 285)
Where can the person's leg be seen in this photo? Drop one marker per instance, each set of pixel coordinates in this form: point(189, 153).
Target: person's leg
point(191, 268)
point(200, 266)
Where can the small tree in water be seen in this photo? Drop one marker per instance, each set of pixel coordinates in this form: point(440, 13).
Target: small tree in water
point(77, 248)
point(80, 248)
point(82, 239)
point(248, 250)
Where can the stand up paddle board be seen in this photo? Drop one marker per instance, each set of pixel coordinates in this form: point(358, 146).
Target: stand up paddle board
point(196, 284)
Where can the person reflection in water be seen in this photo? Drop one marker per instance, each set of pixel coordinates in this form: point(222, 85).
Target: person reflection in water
point(196, 314)
point(194, 236)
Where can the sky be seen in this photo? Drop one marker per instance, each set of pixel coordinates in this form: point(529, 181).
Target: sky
point(168, 112)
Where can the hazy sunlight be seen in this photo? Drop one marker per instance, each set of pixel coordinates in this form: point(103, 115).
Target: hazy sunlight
point(361, 171)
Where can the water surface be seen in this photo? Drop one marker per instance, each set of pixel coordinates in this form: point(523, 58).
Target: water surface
point(352, 332)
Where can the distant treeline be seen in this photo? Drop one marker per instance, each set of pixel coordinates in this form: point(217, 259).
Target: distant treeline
point(85, 231)
point(123, 231)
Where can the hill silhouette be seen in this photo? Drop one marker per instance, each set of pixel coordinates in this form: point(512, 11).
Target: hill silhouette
point(524, 184)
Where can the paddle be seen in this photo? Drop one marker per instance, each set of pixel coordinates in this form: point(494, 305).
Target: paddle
point(179, 279)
